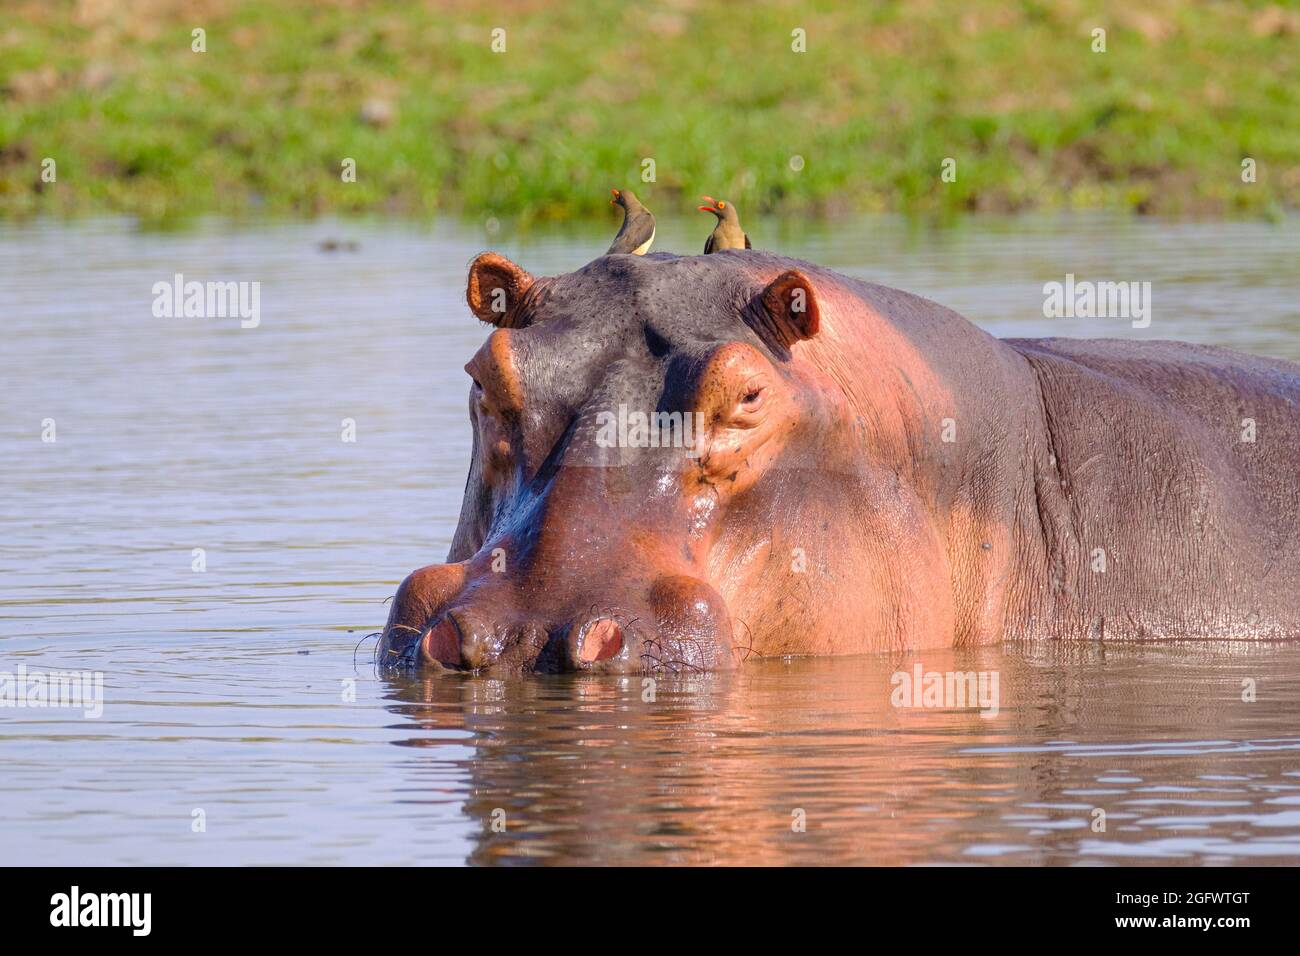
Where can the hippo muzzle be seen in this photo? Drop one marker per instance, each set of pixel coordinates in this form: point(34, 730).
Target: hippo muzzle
point(440, 618)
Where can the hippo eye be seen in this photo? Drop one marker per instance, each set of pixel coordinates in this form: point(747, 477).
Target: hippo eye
point(752, 399)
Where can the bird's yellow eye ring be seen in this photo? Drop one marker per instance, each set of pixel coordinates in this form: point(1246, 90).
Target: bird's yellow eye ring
point(722, 205)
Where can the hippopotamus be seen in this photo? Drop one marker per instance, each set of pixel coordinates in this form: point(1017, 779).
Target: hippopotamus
point(684, 463)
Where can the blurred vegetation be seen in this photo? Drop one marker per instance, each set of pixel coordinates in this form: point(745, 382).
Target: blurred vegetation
point(436, 121)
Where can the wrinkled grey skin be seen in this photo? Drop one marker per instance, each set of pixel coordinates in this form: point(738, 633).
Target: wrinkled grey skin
point(1146, 460)
point(914, 482)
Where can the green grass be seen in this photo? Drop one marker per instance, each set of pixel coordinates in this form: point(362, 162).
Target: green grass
point(138, 123)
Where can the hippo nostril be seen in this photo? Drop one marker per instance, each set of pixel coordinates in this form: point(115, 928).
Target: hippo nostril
point(419, 600)
point(601, 640)
point(442, 642)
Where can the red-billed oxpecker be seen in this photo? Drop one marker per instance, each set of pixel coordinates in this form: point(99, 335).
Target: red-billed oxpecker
point(727, 234)
point(638, 229)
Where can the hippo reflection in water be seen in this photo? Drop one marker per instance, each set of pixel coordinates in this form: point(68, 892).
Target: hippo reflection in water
point(865, 470)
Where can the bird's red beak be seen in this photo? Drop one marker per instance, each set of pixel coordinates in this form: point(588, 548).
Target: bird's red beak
point(711, 207)
point(614, 201)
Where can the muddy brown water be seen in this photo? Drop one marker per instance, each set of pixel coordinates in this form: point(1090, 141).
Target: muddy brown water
point(238, 725)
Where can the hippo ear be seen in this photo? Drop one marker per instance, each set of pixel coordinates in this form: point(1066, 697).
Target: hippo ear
point(787, 313)
point(496, 286)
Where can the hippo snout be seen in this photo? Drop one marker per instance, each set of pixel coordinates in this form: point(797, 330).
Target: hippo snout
point(467, 638)
point(679, 624)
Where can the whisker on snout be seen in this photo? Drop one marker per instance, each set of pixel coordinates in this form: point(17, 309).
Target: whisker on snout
point(406, 657)
point(375, 655)
point(747, 648)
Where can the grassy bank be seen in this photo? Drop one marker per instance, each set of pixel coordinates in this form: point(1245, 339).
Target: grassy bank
point(713, 93)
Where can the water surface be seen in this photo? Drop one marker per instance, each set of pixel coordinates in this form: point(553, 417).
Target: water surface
point(235, 690)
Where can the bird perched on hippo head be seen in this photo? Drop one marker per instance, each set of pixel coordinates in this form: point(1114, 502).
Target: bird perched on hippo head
point(727, 234)
point(638, 229)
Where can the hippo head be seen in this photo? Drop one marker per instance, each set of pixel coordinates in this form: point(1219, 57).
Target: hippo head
point(638, 424)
